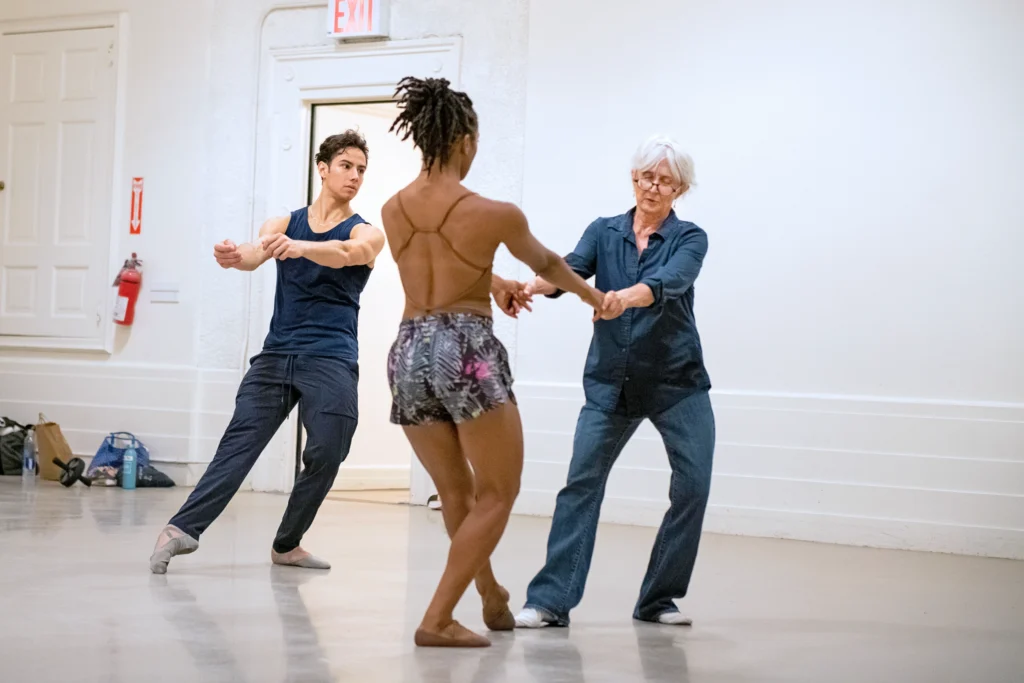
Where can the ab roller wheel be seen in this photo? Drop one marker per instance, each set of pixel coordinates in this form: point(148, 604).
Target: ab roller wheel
point(73, 471)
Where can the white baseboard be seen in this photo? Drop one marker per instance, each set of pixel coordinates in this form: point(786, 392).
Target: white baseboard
point(371, 478)
point(897, 534)
point(179, 412)
point(912, 474)
point(805, 526)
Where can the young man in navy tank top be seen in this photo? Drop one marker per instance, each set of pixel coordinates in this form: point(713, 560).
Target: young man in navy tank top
point(324, 256)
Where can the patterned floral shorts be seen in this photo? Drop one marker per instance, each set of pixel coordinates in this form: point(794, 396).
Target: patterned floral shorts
point(447, 368)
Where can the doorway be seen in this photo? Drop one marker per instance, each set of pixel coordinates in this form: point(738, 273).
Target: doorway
point(379, 459)
point(303, 89)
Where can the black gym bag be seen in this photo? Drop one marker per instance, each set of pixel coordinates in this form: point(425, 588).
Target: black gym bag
point(12, 443)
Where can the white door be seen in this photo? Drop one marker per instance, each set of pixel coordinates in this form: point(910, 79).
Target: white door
point(57, 107)
point(379, 458)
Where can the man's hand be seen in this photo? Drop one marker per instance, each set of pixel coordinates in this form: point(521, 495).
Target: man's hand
point(511, 296)
point(282, 247)
point(613, 306)
point(227, 254)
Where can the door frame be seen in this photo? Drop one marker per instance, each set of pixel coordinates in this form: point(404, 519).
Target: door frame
point(292, 81)
point(104, 342)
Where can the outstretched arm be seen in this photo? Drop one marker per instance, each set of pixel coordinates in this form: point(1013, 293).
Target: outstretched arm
point(583, 260)
point(546, 263)
point(249, 257)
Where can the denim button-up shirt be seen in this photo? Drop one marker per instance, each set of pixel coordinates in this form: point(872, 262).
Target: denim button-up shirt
point(648, 359)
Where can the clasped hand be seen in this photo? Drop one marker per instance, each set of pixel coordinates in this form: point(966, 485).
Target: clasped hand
point(611, 305)
point(281, 247)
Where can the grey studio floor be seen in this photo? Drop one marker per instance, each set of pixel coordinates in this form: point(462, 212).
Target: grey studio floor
point(78, 603)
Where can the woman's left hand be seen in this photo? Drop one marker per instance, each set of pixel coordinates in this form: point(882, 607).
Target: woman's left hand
point(511, 297)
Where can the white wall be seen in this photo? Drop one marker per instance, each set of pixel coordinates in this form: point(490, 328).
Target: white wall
point(858, 177)
point(191, 122)
point(860, 306)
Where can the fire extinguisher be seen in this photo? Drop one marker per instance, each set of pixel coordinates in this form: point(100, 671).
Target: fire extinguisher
point(129, 284)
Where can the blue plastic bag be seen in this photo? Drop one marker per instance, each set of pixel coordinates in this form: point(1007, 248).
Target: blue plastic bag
point(111, 452)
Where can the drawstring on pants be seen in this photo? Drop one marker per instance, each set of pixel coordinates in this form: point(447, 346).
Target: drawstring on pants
point(289, 380)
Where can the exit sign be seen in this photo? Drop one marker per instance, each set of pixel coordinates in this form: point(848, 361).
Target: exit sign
point(358, 19)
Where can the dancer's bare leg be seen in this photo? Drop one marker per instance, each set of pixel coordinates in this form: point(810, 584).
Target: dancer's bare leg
point(437, 447)
point(493, 445)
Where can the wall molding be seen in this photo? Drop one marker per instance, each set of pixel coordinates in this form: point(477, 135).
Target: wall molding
point(372, 478)
point(179, 412)
point(943, 476)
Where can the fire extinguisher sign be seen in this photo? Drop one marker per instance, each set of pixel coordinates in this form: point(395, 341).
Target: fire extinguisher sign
point(135, 225)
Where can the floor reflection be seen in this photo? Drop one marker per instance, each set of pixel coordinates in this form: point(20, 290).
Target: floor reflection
point(550, 656)
point(305, 661)
point(212, 651)
point(441, 665)
point(662, 656)
point(75, 562)
point(205, 642)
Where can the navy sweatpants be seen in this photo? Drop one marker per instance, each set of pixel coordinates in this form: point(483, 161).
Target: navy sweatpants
point(268, 393)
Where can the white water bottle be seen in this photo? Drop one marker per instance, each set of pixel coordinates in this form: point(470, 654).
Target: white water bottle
point(28, 459)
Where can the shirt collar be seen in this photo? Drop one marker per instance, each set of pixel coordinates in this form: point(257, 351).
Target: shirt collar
point(624, 224)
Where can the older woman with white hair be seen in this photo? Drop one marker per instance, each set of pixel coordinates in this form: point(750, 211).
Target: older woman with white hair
point(645, 361)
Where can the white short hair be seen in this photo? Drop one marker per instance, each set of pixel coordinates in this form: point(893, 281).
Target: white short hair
point(649, 154)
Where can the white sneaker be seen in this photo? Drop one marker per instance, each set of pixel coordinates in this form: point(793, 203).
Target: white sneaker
point(533, 618)
point(674, 619)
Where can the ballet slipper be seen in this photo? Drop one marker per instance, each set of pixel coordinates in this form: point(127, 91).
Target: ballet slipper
point(298, 558)
point(452, 635)
point(172, 541)
point(497, 615)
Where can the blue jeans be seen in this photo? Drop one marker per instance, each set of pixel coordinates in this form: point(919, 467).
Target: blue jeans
point(268, 393)
point(688, 430)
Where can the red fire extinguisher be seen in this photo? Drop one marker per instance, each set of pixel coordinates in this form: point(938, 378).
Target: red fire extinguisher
point(129, 284)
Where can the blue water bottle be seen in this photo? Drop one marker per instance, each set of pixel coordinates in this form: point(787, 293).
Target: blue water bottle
point(128, 467)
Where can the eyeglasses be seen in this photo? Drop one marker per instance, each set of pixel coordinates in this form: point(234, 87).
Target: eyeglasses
point(664, 189)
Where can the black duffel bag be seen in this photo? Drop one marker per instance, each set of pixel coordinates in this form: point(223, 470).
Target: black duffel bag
point(12, 443)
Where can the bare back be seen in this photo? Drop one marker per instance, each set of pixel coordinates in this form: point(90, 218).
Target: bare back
point(443, 238)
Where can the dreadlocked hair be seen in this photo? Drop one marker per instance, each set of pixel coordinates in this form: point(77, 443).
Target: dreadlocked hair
point(436, 117)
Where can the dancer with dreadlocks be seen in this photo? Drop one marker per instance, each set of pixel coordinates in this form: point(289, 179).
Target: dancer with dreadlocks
point(448, 372)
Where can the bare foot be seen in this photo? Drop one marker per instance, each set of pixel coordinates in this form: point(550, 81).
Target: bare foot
point(452, 635)
point(298, 558)
point(497, 615)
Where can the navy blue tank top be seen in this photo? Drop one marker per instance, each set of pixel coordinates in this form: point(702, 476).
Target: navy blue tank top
point(316, 309)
